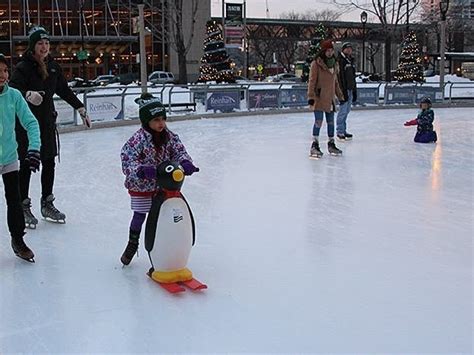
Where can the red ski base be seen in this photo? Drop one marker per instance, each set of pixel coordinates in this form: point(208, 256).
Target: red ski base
point(176, 287)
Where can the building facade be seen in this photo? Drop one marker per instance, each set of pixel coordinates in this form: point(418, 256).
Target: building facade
point(106, 29)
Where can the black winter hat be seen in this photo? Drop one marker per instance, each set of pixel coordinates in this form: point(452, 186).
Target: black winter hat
point(346, 45)
point(150, 108)
point(425, 100)
point(36, 34)
point(3, 59)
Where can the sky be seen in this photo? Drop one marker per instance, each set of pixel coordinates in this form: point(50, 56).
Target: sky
point(257, 8)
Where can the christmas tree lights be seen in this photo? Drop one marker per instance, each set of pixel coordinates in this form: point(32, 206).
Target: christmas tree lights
point(410, 66)
point(215, 63)
point(320, 35)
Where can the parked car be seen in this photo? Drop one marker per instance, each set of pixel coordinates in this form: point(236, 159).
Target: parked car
point(127, 78)
point(80, 83)
point(429, 72)
point(283, 77)
point(103, 80)
point(161, 77)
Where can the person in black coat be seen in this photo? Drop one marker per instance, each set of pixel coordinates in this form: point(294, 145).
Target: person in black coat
point(347, 82)
point(39, 77)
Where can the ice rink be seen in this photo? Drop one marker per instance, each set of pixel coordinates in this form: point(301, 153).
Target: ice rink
point(368, 252)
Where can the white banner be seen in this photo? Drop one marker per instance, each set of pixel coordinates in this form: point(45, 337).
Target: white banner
point(106, 108)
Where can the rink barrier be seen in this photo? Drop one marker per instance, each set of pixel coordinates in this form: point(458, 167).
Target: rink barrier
point(116, 103)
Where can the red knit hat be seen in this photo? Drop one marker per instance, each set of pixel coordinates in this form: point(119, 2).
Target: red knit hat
point(327, 44)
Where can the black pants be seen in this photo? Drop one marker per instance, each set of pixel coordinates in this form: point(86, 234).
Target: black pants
point(47, 178)
point(15, 218)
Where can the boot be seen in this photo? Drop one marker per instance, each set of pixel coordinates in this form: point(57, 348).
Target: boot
point(131, 249)
point(21, 249)
point(332, 149)
point(50, 212)
point(30, 220)
point(315, 152)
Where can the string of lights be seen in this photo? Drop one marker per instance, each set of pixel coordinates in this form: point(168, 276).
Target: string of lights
point(410, 65)
point(215, 63)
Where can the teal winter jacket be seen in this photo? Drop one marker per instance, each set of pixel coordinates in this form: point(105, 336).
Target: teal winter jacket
point(12, 104)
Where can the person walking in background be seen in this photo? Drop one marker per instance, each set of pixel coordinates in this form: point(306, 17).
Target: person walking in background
point(13, 105)
point(323, 87)
point(347, 82)
point(38, 77)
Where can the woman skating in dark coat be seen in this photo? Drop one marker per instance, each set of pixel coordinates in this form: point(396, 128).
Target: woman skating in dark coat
point(39, 77)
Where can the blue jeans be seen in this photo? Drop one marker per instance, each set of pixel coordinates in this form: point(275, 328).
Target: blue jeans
point(344, 110)
point(318, 122)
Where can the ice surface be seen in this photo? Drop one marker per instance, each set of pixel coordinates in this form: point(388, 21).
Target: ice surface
point(369, 252)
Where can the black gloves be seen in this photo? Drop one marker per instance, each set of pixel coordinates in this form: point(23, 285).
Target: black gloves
point(34, 160)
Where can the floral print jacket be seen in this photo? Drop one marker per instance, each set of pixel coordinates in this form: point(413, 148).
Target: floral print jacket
point(140, 150)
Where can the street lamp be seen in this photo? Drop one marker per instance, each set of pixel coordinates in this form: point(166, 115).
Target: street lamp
point(363, 19)
point(83, 52)
point(143, 60)
point(443, 8)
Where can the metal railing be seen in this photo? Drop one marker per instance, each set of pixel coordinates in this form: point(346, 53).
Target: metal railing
point(195, 97)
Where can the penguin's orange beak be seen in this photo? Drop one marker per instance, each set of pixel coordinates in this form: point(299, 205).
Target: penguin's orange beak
point(178, 175)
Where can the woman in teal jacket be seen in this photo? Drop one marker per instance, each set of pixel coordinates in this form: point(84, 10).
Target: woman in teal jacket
point(13, 104)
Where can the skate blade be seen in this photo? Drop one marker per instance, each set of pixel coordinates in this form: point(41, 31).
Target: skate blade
point(30, 225)
point(31, 260)
point(315, 157)
point(336, 154)
point(58, 221)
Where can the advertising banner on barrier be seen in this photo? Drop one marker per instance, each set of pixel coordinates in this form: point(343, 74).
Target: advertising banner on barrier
point(223, 101)
point(294, 97)
point(263, 98)
point(65, 112)
point(435, 94)
point(368, 96)
point(399, 94)
point(104, 108)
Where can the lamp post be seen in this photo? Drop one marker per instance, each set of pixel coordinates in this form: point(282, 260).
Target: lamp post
point(363, 19)
point(141, 23)
point(443, 9)
point(408, 16)
point(81, 24)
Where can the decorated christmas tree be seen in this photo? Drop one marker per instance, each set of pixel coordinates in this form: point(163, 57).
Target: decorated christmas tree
point(410, 67)
point(320, 35)
point(215, 63)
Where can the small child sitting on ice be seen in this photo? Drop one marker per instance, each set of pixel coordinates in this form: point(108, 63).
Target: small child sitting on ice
point(425, 132)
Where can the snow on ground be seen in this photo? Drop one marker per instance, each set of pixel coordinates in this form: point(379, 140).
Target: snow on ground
point(369, 252)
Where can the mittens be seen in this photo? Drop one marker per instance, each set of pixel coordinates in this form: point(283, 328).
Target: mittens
point(85, 117)
point(189, 167)
point(34, 97)
point(33, 158)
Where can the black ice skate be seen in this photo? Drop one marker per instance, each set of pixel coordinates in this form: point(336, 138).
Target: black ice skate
point(131, 249)
point(348, 136)
point(332, 149)
point(30, 220)
point(50, 212)
point(315, 152)
point(341, 137)
point(21, 249)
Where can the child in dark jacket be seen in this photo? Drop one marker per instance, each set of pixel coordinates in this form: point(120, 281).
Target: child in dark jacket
point(152, 144)
point(13, 105)
point(425, 132)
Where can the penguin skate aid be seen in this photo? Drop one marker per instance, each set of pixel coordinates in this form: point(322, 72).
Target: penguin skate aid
point(13, 105)
point(154, 162)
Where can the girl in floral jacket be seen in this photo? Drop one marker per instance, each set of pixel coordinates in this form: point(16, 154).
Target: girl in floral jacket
point(152, 144)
